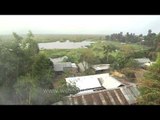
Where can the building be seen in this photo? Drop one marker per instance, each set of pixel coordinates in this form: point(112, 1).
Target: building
point(60, 59)
point(126, 95)
point(60, 66)
point(149, 64)
point(94, 82)
point(100, 89)
point(101, 68)
point(144, 62)
point(64, 66)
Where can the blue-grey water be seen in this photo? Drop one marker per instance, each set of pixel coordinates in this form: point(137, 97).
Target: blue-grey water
point(64, 45)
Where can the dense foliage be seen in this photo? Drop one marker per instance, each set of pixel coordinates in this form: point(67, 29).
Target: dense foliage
point(27, 76)
point(149, 87)
point(24, 72)
point(151, 40)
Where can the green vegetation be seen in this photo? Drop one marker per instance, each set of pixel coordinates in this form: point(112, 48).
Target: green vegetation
point(101, 52)
point(27, 76)
point(42, 38)
point(149, 87)
point(25, 72)
point(62, 38)
point(151, 41)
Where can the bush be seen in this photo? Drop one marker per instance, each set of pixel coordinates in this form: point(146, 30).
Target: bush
point(129, 73)
point(89, 72)
point(131, 63)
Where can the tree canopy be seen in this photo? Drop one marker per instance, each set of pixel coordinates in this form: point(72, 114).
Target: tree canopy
point(149, 87)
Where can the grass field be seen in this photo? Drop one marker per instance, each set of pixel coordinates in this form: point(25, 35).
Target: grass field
point(59, 37)
point(62, 38)
point(97, 49)
point(43, 38)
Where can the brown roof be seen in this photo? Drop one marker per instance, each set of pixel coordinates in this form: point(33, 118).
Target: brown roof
point(120, 96)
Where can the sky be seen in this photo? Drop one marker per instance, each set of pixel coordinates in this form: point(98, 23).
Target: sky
point(79, 24)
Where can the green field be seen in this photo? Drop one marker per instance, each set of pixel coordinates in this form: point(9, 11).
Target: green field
point(41, 38)
point(97, 49)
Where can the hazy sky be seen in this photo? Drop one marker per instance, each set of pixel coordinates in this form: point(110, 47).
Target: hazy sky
point(79, 24)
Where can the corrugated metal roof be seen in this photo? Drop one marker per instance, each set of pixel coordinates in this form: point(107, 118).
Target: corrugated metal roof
point(61, 66)
point(101, 67)
point(93, 81)
point(73, 65)
point(121, 96)
point(84, 82)
point(60, 59)
point(143, 60)
point(110, 82)
point(149, 64)
point(58, 67)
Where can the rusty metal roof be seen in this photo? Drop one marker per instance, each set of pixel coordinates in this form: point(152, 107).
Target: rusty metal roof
point(120, 96)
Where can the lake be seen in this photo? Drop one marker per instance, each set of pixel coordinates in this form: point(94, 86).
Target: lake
point(64, 45)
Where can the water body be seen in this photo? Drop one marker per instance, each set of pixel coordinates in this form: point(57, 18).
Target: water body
point(64, 45)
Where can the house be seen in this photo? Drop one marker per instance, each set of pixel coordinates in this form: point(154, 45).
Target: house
point(149, 64)
point(144, 62)
point(63, 66)
point(60, 66)
point(101, 68)
point(100, 89)
point(126, 95)
point(60, 59)
point(94, 82)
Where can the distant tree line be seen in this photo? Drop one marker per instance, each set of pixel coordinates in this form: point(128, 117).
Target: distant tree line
point(127, 38)
point(151, 40)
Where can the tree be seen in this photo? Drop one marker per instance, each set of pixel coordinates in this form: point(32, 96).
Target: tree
point(17, 37)
point(149, 32)
point(157, 43)
point(128, 50)
point(119, 61)
point(30, 34)
point(150, 38)
point(24, 88)
point(87, 55)
point(25, 50)
point(73, 56)
point(107, 50)
point(31, 45)
point(149, 87)
point(24, 72)
point(131, 63)
point(42, 69)
point(8, 64)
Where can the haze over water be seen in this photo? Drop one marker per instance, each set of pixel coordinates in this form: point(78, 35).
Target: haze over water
point(64, 45)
